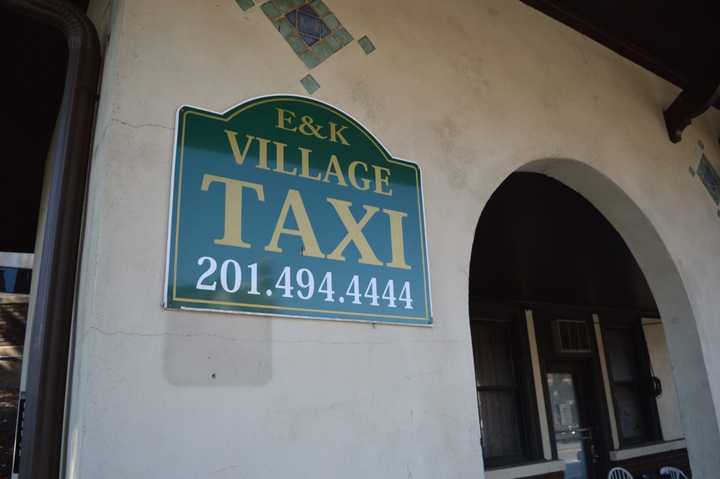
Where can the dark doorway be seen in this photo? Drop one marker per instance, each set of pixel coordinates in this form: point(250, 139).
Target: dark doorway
point(574, 393)
point(544, 254)
point(50, 67)
point(35, 59)
point(573, 423)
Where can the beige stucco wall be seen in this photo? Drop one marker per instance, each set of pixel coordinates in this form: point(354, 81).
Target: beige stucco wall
point(471, 90)
point(667, 402)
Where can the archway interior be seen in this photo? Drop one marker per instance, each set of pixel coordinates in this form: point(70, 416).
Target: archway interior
point(35, 59)
point(538, 240)
point(570, 355)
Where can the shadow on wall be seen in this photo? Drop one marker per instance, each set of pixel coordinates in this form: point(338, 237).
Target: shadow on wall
point(210, 350)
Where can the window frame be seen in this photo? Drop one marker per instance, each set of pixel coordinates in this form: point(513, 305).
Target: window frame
point(632, 325)
point(48, 358)
point(524, 392)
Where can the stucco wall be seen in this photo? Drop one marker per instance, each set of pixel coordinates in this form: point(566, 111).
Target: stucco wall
point(667, 402)
point(471, 90)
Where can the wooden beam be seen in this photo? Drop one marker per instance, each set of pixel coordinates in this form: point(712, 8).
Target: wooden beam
point(690, 103)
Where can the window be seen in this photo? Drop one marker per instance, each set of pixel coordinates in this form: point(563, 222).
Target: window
point(506, 399)
point(14, 280)
point(635, 407)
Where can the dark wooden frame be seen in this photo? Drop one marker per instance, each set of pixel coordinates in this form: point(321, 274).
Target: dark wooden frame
point(649, 405)
point(698, 94)
point(546, 350)
point(543, 314)
point(527, 409)
point(48, 355)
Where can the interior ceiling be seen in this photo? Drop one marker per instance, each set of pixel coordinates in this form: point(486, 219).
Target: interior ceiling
point(677, 40)
point(538, 240)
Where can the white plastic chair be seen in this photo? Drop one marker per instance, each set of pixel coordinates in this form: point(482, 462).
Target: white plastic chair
point(619, 473)
point(673, 472)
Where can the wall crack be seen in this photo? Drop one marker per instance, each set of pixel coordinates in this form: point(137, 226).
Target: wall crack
point(141, 125)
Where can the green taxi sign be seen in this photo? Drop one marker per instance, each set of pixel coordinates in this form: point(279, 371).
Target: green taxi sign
point(286, 206)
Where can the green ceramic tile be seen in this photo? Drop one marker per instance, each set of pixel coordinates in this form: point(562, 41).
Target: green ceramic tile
point(323, 50)
point(332, 22)
point(344, 36)
point(367, 45)
point(310, 84)
point(297, 44)
point(311, 56)
point(320, 8)
point(285, 27)
point(309, 59)
point(284, 5)
point(334, 43)
point(245, 4)
point(270, 10)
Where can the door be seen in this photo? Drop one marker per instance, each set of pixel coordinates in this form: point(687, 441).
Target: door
point(575, 426)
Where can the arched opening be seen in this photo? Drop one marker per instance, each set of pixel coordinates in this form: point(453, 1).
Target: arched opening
point(51, 60)
point(587, 354)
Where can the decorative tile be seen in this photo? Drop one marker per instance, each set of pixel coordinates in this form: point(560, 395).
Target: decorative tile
point(309, 59)
point(334, 42)
point(245, 4)
point(310, 84)
point(323, 50)
point(285, 5)
point(321, 8)
point(310, 28)
point(285, 27)
point(308, 24)
point(297, 44)
point(270, 10)
point(344, 36)
point(367, 45)
point(332, 22)
point(710, 178)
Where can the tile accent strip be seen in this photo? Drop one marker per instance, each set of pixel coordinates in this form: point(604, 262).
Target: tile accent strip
point(710, 178)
